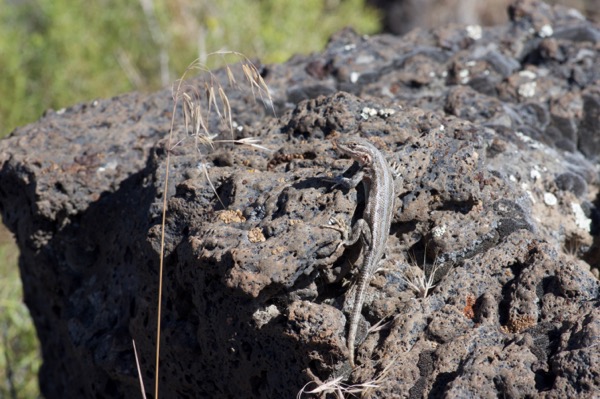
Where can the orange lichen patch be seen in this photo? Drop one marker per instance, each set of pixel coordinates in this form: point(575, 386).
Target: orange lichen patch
point(468, 310)
point(256, 235)
point(519, 323)
point(231, 216)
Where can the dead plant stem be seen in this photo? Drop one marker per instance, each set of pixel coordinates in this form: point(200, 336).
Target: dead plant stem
point(162, 243)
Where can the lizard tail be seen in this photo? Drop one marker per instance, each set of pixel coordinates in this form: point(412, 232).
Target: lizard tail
point(359, 299)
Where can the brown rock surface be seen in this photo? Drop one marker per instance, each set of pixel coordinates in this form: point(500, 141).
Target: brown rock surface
point(495, 134)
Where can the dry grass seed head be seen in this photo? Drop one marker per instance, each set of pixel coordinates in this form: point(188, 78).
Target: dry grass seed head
point(574, 246)
point(336, 387)
point(195, 122)
point(381, 378)
point(341, 390)
point(417, 279)
point(196, 115)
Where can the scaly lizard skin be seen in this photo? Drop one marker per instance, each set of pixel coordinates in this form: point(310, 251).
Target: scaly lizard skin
point(374, 227)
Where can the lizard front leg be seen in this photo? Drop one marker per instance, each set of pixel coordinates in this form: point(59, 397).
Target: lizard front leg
point(347, 182)
point(350, 237)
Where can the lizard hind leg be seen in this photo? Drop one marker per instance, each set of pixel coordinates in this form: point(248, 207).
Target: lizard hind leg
point(338, 224)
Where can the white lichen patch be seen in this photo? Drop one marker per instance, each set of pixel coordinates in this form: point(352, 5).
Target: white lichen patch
point(550, 199)
point(463, 74)
point(386, 112)
point(368, 112)
point(474, 31)
point(582, 221)
point(527, 89)
point(531, 142)
point(546, 31)
point(438, 231)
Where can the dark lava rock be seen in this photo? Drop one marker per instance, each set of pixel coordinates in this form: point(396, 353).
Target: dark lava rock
point(493, 132)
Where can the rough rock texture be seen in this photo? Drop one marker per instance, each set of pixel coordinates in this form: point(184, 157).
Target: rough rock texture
point(495, 133)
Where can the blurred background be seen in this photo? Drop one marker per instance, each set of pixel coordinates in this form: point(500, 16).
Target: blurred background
point(56, 53)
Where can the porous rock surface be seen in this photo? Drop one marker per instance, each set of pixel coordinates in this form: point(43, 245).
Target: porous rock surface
point(495, 133)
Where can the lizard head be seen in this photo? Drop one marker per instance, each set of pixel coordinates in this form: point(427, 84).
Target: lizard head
point(357, 148)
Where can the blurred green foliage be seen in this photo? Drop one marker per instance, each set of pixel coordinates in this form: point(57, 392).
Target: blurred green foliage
point(54, 53)
point(19, 348)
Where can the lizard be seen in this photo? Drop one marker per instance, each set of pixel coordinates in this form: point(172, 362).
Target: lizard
point(374, 226)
